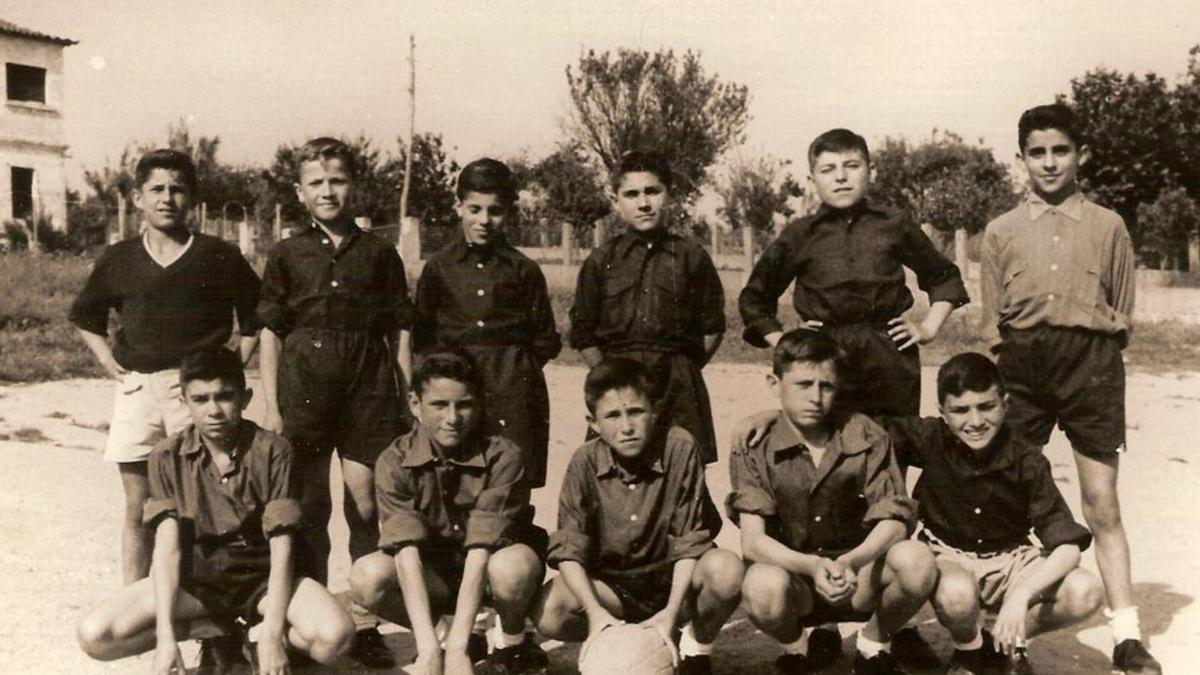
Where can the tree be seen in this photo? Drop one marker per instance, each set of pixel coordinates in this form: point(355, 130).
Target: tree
point(754, 192)
point(635, 99)
point(943, 181)
point(571, 189)
point(1168, 225)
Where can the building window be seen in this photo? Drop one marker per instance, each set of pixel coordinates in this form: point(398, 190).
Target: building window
point(26, 83)
point(22, 193)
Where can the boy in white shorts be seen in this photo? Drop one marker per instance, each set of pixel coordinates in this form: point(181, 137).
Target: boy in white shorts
point(175, 292)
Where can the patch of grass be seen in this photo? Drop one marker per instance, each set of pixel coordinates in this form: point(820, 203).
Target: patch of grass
point(30, 435)
point(58, 415)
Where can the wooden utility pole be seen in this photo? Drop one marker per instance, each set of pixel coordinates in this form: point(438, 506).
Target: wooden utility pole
point(412, 115)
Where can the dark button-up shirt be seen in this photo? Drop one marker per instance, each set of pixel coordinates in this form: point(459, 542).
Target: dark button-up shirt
point(827, 509)
point(984, 502)
point(474, 495)
point(358, 286)
point(1070, 266)
point(848, 266)
point(484, 295)
point(252, 500)
point(614, 520)
point(168, 312)
point(657, 292)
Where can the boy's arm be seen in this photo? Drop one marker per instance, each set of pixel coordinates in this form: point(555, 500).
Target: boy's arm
point(758, 302)
point(937, 275)
point(545, 339)
point(749, 504)
point(425, 308)
point(1124, 279)
point(667, 618)
point(410, 572)
point(913, 438)
point(572, 546)
point(245, 289)
point(758, 546)
point(580, 584)
point(470, 598)
point(711, 294)
point(991, 283)
point(878, 541)
point(404, 315)
point(890, 511)
point(165, 571)
point(89, 314)
point(402, 347)
point(98, 344)
point(274, 316)
point(271, 656)
point(282, 517)
point(1009, 630)
point(586, 312)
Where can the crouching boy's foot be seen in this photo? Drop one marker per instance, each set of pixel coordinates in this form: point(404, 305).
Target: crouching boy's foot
point(1131, 657)
point(700, 664)
point(792, 664)
point(882, 663)
point(913, 651)
point(824, 648)
point(983, 661)
point(220, 655)
point(370, 650)
point(1018, 664)
point(526, 658)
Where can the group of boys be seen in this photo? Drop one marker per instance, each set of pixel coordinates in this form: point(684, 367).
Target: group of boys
point(438, 480)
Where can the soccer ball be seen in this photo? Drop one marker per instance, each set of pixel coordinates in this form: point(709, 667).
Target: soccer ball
point(628, 649)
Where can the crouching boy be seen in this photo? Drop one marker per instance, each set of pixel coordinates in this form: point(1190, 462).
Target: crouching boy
point(636, 527)
point(824, 516)
point(981, 491)
point(223, 508)
point(456, 528)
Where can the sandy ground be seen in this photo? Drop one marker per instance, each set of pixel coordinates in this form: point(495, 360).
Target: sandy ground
point(61, 506)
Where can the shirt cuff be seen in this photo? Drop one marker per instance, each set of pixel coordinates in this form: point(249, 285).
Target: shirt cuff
point(903, 509)
point(155, 509)
point(749, 500)
point(952, 291)
point(568, 545)
point(272, 316)
point(280, 515)
point(91, 324)
point(486, 529)
point(1064, 531)
point(401, 529)
point(755, 332)
point(690, 545)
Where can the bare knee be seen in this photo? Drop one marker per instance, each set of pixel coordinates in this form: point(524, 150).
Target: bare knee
point(956, 598)
point(721, 574)
point(1080, 593)
point(765, 592)
point(913, 568)
point(94, 634)
point(371, 577)
point(332, 637)
point(514, 571)
point(555, 609)
point(1102, 511)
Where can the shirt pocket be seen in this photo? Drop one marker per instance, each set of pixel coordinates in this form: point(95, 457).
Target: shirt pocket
point(1018, 284)
point(1087, 296)
point(672, 297)
point(619, 302)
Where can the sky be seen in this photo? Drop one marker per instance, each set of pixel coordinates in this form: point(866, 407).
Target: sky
point(491, 75)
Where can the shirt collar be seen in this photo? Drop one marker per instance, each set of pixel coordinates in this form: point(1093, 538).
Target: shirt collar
point(848, 439)
point(606, 464)
point(421, 452)
point(630, 238)
point(1000, 456)
point(1072, 206)
point(499, 250)
point(825, 212)
point(352, 231)
point(193, 443)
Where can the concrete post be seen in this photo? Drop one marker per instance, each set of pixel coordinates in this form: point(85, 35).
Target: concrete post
point(118, 234)
point(960, 250)
point(410, 240)
point(599, 233)
point(277, 227)
point(567, 254)
point(714, 237)
point(747, 253)
point(245, 239)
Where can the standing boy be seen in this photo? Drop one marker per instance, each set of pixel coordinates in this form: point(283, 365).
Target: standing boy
point(1057, 277)
point(457, 528)
point(655, 297)
point(488, 299)
point(174, 292)
point(824, 516)
point(336, 316)
point(636, 527)
point(224, 508)
point(847, 261)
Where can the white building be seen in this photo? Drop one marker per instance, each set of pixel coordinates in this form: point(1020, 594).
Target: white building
point(32, 143)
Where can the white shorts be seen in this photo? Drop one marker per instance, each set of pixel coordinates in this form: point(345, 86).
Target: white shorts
point(147, 407)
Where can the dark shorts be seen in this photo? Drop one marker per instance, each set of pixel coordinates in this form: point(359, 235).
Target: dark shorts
point(643, 594)
point(340, 389)
point(231, 579)
point(518, 403)
point(883, 380)
point(678, 386)
point(1074, 378)
point(444, 571)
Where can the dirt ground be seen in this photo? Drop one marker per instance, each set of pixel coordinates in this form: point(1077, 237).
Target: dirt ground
point(62, 505)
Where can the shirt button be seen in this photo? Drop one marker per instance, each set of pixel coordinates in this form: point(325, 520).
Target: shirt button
point(645, 291)
point(633, 486)
point(479, 323)
point(479, 292)
point(1050, 297)
point(978, 510)
point(817, 519)
point(502, 423)
point(334, 283)
point(324, 241)
point(454, 527)
point(1057, 238)
point(978, 541)
point(1054, 268)
point(633, 517)
point(479, 265)
point(225, 479)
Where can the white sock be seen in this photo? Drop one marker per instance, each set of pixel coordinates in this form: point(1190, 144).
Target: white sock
point(502, 640)
point(690, 646)
point(871, 648)
point(800, 646)
point(1124, 624)
point(972, 644)
point(441, 629)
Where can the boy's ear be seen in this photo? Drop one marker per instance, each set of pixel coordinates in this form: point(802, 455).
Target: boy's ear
point(414, 404)
point(773, 382)
point(299, 192)
point(591, 421)
point(1085, 153)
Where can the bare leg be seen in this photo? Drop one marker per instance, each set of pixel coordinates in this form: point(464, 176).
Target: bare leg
point(124, 624)
point(956, 601)
point(375, 585)
point(558, 614)
point(716, 593)
point(1102, 511)
point(312, 472)
point(136, 541)
point(358, 508)
point(774, 603)
point(514, 575)
point(317, 623)
point(1077, 596)
point(895, 586)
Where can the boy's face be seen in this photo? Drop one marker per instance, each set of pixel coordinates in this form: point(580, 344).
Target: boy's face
point(841, 178)
point(164, 199)
point(807, 391)
point(324, 189)
point(624, 419)
point(975, 417)
point(1053, 162)
point(482, 216)
point(640, 200)
point(447, 410)
point(215, 406)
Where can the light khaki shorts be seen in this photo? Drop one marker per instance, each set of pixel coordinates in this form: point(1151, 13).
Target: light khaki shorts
point(147, 407)
point(994, 573)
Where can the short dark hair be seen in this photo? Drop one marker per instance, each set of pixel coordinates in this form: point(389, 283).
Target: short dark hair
point(647, 161)
point(837, 140)
point(802, 345)
point(969, 371)
point(1057, 116)
point(170, 160)
point(449, 365)
point(487, 176)
point(323, 149)
point(615, 373)
point(212, 363)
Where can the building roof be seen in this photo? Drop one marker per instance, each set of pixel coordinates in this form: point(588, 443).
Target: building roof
point(9, 28)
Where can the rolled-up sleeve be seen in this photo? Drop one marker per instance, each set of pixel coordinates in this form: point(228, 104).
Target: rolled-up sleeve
point(750, 491)
point(914, 439)
point(1124, 280)
point(273, 312)
point(936, 275)
point(246, 288)
point(711, 294)
point(425, 309)
point(884, 488)
point(90, 309)
point(695, 521)
point(758, 302)
point(502, 502)
point(990, 284)
point(1048, 511)
point(161, 474)
point(282, 512)
point(545, 339)
point(400, 524)
point(574, 538)
point(585, 313)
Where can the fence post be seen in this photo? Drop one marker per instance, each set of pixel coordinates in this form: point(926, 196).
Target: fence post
point(567, 257)
point(277, 227)
point(598, 233)
point(119, 233)
point(714, 238)
point(204, 217)
point(245, 240)
point(960, 251)
point(410, 240)
point(747, 253)
point(543, 238)
point(1194, 252)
